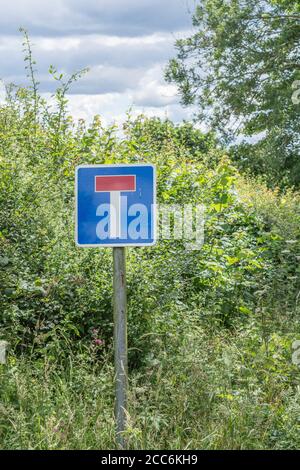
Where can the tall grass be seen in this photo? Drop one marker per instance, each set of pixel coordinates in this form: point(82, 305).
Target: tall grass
point(218, 391)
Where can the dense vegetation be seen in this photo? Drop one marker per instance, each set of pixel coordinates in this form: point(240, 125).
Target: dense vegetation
point(210, 330)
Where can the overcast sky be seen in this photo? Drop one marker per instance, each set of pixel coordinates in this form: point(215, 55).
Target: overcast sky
point(126, 44)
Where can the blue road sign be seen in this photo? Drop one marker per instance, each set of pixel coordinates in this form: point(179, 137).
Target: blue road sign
point(115, 205)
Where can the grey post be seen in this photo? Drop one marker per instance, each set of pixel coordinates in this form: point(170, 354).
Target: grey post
point(120, 343)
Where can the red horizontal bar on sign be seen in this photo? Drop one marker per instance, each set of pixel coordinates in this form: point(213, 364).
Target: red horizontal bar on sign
point(115, 183)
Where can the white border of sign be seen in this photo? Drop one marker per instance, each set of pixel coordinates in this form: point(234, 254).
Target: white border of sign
point(111, 245)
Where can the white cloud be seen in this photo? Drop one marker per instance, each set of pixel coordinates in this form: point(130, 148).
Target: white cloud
point(113, 107)
point(153, 91)
point(125, 44)
point(113, 61)
point(150, 95)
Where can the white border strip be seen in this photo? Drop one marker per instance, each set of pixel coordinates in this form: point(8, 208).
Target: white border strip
point(109, 245)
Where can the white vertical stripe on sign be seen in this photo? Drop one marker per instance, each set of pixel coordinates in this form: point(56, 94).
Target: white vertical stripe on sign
point(115, 214)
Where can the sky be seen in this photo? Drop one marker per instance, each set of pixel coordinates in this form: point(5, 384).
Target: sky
point(125, 43)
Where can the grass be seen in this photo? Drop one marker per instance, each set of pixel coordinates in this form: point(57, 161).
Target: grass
point(222, 391)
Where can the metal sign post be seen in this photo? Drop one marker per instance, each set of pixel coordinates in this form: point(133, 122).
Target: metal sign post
point(116, 207)
point(120, 343)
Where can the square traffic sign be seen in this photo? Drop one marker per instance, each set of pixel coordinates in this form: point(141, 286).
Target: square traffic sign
point(115, 205)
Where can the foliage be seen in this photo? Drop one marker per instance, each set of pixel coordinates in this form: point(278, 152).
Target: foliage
point(200, 391)
point(210, 330)
point(239, 67)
